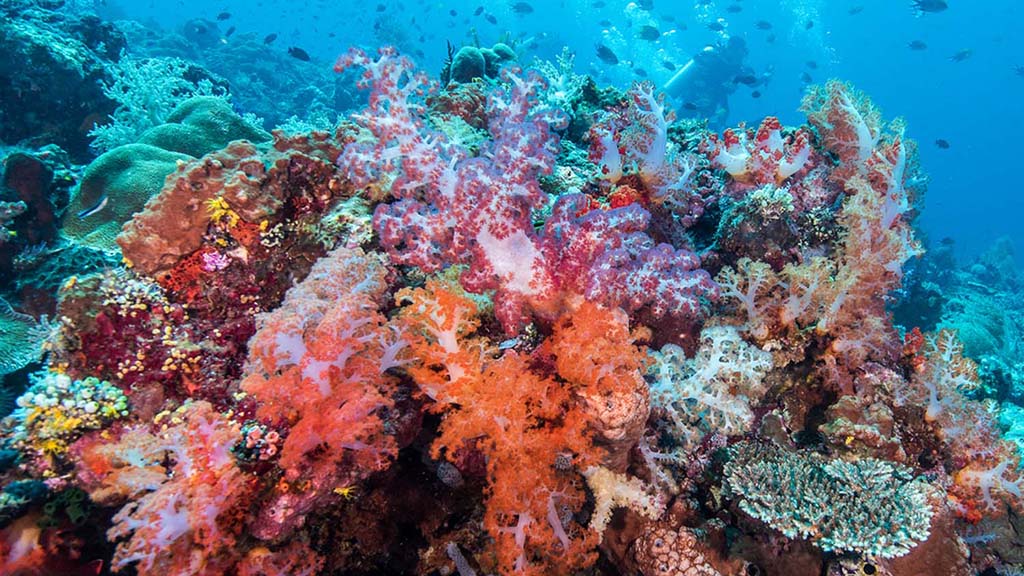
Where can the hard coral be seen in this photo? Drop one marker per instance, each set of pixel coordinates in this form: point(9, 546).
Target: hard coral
point(867, 506)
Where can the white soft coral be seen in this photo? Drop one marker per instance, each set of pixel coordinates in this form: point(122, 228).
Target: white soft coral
point(714, 391)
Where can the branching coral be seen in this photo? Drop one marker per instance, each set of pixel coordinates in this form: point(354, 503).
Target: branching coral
point(868, 506)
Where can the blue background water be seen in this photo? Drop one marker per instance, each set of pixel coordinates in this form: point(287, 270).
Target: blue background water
point(974, 196)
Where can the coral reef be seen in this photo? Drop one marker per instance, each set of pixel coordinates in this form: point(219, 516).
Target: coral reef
point(504, 325)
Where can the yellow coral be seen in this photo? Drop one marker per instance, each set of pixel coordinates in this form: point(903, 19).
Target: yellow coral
point(220, 212)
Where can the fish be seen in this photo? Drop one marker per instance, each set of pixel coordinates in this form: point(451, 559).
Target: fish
point(1019, 71)
point(668, 66)
point(298, 53)
point(491, 18)
point(645, 4)
point(922, 7)
point(734, 8)
point(453, 13)
point(479, 10)
point(806, 78)
point(944, 144)
point(269, 39)
point(763, 25)
point(917, 45)
point(716, 27)
point(640, 72)
point(606, 55)
point(381, 7)
point(223, 16)
point(770, 39)
point(230, 31)
point(522, 8)
point(689, 106)
point(745, 79)
point(961, 55)
point(855, 10)
point(812, 64)
point(649, 33)
point(755, 94)
point(94, 208)
point(605, 23)
point(598, 4)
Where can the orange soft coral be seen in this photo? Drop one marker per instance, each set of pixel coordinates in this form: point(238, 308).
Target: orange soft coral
point(529, 426)
point(595, 351)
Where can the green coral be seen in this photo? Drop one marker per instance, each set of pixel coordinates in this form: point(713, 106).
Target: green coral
point(871, 507)
point(21, 339)
point(123, 179)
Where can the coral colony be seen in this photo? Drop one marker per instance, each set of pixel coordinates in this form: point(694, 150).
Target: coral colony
point(502, 328)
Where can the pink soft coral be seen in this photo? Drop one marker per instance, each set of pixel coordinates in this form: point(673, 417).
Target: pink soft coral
point(185, 524)
point(317, 364)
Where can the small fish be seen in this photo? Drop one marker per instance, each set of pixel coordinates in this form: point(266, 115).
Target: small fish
point(269, 39)
point(223, 16)
point(640, 72)
point(1019, 71)
point(381, 7)
point(606, 55)
point(522, 8)
point(689, 106)
point(94, 209)
point(763, 25)
point(770, 39)
point(855, 10)
point(598, 4)
point(917, 45)
point(298, 53)
point(922, 7)
point(944, 144)
point(230, 31)
point(809, 25)
point(745, 79)
point(507, 344)
point(491, 18)
point(755, 94)
point(453, 13)
point(645, 4)
point(649, 33)
point(734, 8)
point(806, 78)
point(962, 55)
point(605, 23)
point(716, 26)
point(812, 64)
point(668, 66)
point(479, 10)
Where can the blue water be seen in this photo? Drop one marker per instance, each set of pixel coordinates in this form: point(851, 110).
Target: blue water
point(974, 196)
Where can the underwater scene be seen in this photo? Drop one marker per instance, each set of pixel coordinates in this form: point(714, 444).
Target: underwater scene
point(503, 287)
